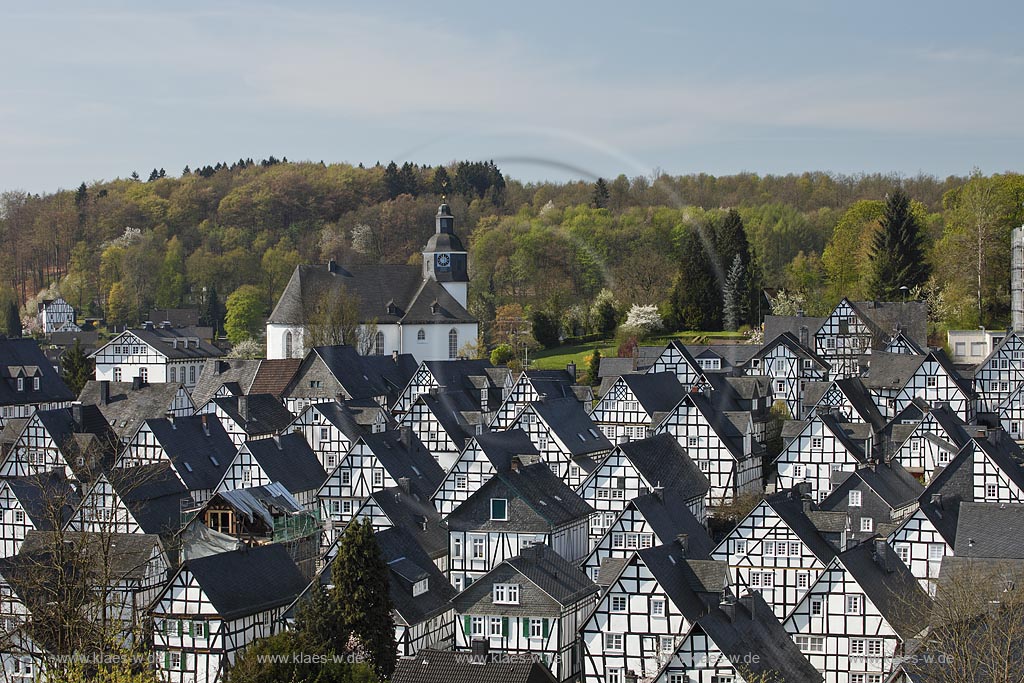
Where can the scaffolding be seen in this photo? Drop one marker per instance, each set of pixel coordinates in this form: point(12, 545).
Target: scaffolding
point(1017, 278)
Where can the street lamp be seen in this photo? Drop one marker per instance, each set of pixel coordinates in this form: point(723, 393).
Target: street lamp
point(904, 289)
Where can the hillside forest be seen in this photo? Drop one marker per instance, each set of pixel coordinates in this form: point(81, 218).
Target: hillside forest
point(692, 251)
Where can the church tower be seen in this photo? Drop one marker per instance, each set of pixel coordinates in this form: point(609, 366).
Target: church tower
point(444, 257)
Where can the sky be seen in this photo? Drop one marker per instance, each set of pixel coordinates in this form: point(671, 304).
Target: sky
point(548, 90)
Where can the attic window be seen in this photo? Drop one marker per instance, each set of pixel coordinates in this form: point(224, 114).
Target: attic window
point(499, 509)
point(188, 467)
point(214, 461)
point(21, 384)
point(593, 433)
point(420, 587)
point(582, 438)
point(35, 383)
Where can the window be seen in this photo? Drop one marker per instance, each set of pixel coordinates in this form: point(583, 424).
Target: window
point(667, 645)
point(378, 346)
point(657, 607)
point(378, 478)
point(741, 546)
point(872, 647)
point(421, 336)
point(613, 642)
point(144, 375)
point(613, 675)
point(936, 551)
point(803, 580)
point(420, 587)
point(619, 603)
point(692, 441)
point(865, 678)
point(288, 344)
point(817, 443)
point(191, 375)
point(991, 491)
point(505, 593)
point(173, 374)
point(931, 382)
point(453, 344)
point(960, 349)
point(174, 660)
point(817, 607)
point(476, 626)
point(198, 629)
point(854, 604)
point(855, 498)
point(346, 507)
point(810, 643)
point(780, 387)
point(867, 524)
point(461, 482)
point(903, 552)
point(536, 628)
point(246, 476)
point(496, 627)
point(798, 471)
point(19, 516)
point(808, 364)
point(346, 477)
point(456, 547)
point(499, 509)
point(762, 579)
point(117, 374)
point(478, 548)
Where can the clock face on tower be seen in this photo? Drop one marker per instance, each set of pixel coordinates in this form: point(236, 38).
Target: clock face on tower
point(443, 262)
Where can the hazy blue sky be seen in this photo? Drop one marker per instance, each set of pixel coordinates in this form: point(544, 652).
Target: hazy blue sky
point(542, 88)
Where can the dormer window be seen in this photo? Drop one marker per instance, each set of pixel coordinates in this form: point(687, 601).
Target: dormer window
point(35, 383)
point(21, 384)
point(420, 587)
point(499, 509)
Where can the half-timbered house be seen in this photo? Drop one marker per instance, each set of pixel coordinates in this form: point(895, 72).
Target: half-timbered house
point(332, 427)
point(484, 384)
point(678, 360)
point(533, 385)
point(567, 439)
point(154, 354)
point(528, 605)
point(737, 641)
point(1000, 374)
point(401, 506)
point(781, 547)
point(287, 459)
point(126, 405)
point(197, 448)
point(789, 366)
point(40, 502)
point(931, 379)
point(822, 447)
point(237, 376)
point(876, 498)
point(446, 666)
point(721, 442)
point(55, 315)
point(636, 468)
point(932, 443)
point(374, 463)
point(849, 397)
point(856, 618)
point(77, 440)
point(721, 359)
point(329, 373)
point(856, 328)
point(215, 606)
point(149, 499)
point(634, 403)
point(249, 417)
point(444, 422)
point(484, 455)
point(659, 517)
point(515, 508)
point(611, 368)
point(651, 601)
point(28, 381)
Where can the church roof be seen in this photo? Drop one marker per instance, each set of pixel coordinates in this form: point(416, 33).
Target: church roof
point(374, 286)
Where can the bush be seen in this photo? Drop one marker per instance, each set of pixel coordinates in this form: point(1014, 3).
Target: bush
point(545, 328)
point(502, 354)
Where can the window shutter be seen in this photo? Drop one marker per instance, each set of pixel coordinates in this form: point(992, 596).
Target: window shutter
point(545, 625)
point(190, 631)
point(167, 627)
point(167, 660)
point(504, 627)
point(184, 660)
point(181, 629)
point(526, 626)
point(468, 625)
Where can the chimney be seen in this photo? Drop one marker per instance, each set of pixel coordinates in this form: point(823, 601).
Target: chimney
point(571, 369)
point(394, 355)
point(880, 554)
point(76, 415)
point(405, 436)
point(104, 392)
point(802, 490)
point(243, 407)
point(728, 605)
point(423, 521)
point(332, 266)
point(218, 367)
point(206, 427)
point(136, 383)
point(174, 343)
point(747, 602)
point(684, 544)
point(514, 464)
point(434, 307)
point(277, 442)
point(658, 491)
point(937, 500)
point(170, 418)
point(480, 650)
point(403, 484)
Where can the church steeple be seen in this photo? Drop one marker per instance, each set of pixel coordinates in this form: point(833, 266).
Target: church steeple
point(444, 222)
point(444, 257)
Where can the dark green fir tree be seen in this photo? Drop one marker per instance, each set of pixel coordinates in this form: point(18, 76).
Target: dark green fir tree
point(600, 196)
point(897, 253)
point(696, 297)
point(76, 368)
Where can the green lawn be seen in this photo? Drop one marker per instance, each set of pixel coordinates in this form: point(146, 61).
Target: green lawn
point(558, 357)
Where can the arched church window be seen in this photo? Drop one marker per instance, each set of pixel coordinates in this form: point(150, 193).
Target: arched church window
point(453, 344)
point(421, 336)
point(288, 344)
point(379, 345)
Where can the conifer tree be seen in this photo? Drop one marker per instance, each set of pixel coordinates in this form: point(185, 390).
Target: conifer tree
point(13, 322)
point(695, 297)
point(361, 595)
point(442, 183)
point(392, 181)
point(730, 242)
point(897, 255)
point(734, 295)
point(594, 367)
point(76, 368)
point(600, 196)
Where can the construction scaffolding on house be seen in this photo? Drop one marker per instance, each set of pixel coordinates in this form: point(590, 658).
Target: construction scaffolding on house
point(1017, 278)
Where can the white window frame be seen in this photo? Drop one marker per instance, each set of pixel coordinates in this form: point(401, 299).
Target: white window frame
point(505, 593)
point(856, 499)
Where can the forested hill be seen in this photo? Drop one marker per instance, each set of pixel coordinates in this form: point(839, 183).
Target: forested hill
point(115, 249)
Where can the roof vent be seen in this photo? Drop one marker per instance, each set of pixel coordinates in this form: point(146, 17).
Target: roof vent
point(434, 307)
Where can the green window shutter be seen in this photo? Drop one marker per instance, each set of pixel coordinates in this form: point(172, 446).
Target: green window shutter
point(184, 657)
point(467, 625)
point(167, 661)
point(526, 626)
point(545, 624)
point(504, 627)
point(166, 626)
point(190, 633)
point(181, 629)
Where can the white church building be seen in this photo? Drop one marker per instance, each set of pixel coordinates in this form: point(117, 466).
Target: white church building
point(417, 311)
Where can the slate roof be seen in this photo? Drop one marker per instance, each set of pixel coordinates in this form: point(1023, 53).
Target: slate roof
point(128, 555)
point(365, 376)
point(41, 494)
point(686, 588)
point(341, 416)
point(248, 581)
point(449, 666)
point(774, 325)
point(163, 342)
point(890, 370)
point(546, 497)
point(750, 628)
point(656, 392)
point(734, 355)
point(265, 413)
point(153, 494)
point(990, 530)
point(457, 413)
point(402, 454)
point(663, 462)
point(553, 574)
point(893, 484)
point(792, 342)
point(410, 511)
point(408, 562)
point(200, 455)
point(225, 371)
point(793, 511)
point(910, 317)
point(127, 408)
point(951, 485)
point(288, 459)
point(93, 439)
point(888, 583)
point(857, 394)
point(23, 357)
point(499, 447)
point(669, 517)
point(730, 436)
point(570, 422)
point(373, 286)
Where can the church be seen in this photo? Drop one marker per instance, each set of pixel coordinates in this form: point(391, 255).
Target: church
point(420, 311)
